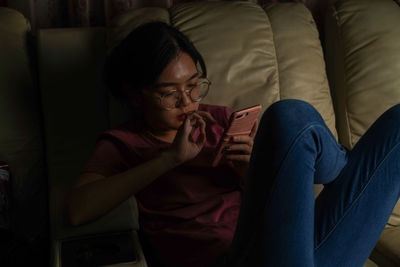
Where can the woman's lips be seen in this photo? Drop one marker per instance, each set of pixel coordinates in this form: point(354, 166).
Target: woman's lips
point(182, 116)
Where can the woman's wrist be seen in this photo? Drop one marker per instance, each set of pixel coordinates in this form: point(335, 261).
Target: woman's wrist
point(170, 159)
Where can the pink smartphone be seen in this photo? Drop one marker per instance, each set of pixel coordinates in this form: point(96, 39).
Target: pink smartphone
point(240, 123)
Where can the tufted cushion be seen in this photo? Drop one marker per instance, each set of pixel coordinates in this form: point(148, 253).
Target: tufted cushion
point(364, 65)
point(252, 56)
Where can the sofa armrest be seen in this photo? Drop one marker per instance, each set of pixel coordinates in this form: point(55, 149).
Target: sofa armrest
point(75, 111)
point(121, 219)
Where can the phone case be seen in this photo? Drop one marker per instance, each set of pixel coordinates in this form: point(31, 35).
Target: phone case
point(240, 123)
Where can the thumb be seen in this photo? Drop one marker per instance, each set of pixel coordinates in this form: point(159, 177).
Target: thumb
point(185, 128)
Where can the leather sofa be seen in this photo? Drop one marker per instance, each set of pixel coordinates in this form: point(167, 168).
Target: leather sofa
point(54, 104)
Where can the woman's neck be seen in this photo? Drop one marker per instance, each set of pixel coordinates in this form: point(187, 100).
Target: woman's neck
point(163, 135)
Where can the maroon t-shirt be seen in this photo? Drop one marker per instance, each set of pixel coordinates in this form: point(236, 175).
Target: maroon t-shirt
point(189, 214)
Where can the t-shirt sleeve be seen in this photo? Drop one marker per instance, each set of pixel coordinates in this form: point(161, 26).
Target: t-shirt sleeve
point(106, 159)
point(227, 112)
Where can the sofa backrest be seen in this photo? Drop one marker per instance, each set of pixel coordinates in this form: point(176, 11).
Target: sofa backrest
point(253, 56)
point(363, 65)
point(363, 60)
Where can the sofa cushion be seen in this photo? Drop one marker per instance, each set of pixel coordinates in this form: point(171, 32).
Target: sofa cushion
point(363, 63)
point(270, 55)
point(387, 250)
point(363, 59)
point(252, 56)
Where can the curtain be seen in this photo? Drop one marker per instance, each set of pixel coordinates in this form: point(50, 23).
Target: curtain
point(86, 13)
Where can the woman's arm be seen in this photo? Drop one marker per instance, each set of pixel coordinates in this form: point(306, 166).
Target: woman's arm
point(94, 195)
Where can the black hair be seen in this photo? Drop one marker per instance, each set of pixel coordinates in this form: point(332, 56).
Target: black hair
point(142, 56)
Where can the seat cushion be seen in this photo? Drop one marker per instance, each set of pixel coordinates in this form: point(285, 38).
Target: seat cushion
point(387, 250)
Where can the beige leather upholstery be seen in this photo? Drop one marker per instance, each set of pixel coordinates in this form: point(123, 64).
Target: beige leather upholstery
point(363, 54)
point(272, 67)
point(363, 59)
point(252, 55)
point(300, 58)
point(283, 56)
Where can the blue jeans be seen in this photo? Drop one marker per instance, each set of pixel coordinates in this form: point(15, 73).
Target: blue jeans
point(281, 224)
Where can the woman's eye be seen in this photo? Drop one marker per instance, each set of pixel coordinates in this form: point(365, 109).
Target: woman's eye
point(169, 93)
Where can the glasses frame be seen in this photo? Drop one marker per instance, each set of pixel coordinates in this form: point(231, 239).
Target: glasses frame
point(188, 93)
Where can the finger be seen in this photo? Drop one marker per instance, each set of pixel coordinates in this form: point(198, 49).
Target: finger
point(243, 158)
point(254, 129)
point(202, 137)
point(195, 116)
point(235, 149)
point(186, 128)
point(207, 116)
point(244, 139)
point(198, 119)
point(202, 125)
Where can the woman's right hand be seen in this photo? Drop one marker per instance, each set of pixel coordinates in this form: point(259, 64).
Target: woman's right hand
point(183, 147)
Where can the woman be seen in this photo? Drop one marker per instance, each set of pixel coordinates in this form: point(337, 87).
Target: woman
point(256, 208)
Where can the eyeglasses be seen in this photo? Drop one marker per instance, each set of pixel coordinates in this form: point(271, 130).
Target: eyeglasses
point(196, 92)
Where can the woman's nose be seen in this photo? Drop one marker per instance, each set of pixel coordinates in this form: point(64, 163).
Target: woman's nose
point(185, 98)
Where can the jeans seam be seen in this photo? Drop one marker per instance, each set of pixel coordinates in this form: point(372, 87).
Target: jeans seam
point(356, 199)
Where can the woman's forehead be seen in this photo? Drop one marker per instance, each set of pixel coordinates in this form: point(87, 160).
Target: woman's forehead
point(180, 69)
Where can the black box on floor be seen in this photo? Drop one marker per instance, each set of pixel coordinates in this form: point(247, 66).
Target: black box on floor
point(98, 250)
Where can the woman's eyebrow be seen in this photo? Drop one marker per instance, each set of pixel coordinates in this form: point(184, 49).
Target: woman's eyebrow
point(166, 84)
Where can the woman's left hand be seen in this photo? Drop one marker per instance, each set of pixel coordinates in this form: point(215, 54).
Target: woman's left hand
point(240, 146)
point(239, 152)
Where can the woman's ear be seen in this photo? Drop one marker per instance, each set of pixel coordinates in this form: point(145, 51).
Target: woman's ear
point(135, 97)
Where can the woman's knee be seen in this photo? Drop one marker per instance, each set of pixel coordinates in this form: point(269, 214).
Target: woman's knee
point(393, 113)
point(390, 122)
point(289, 114)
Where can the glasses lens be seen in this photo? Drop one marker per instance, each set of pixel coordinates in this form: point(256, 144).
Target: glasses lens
point(197, 93)
point(200, 91)
point(169, 100)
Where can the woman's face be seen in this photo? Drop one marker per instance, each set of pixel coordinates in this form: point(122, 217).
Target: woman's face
point(180, 74)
